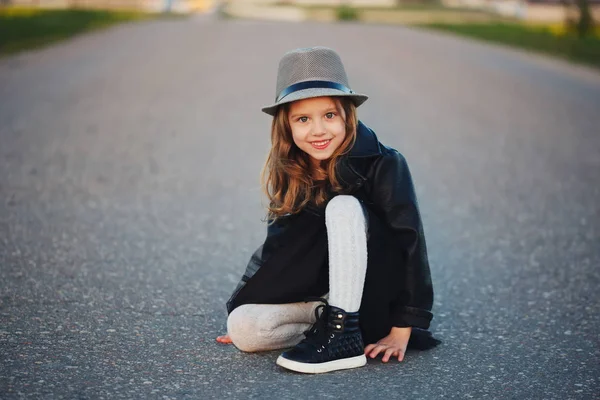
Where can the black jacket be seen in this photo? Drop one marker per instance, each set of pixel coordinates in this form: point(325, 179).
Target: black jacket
point(380, 178)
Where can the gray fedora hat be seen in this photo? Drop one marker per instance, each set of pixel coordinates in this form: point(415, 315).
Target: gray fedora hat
point(311, 72)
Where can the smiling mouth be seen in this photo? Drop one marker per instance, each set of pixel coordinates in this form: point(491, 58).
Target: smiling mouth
point(321, 145)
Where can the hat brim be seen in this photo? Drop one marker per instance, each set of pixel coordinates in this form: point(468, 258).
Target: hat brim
point(357, 98)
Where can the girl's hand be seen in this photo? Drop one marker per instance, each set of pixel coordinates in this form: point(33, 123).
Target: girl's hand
point(225, 339)
point(393, 344)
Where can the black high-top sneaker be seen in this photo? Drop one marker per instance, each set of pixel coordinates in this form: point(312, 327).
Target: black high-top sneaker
point(334, 342)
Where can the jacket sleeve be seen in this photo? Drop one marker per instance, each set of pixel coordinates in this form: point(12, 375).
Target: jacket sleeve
point(393, 194)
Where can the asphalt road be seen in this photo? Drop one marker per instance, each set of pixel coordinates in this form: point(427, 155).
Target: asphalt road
point(130, 204)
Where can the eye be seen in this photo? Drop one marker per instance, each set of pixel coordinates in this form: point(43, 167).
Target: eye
point(330, 115)
point(303, 119)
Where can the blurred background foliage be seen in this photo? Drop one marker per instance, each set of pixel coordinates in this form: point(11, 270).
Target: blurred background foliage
point(24, 28)
point(563, 28)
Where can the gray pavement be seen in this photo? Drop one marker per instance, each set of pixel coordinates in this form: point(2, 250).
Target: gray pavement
point(130, 203)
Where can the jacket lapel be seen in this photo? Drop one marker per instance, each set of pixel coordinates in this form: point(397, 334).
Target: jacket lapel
point(366, 146)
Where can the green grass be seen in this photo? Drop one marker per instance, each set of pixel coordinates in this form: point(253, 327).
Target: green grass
point(345, 13)
point(541, 39)
point(25, 28)
point(409, 6)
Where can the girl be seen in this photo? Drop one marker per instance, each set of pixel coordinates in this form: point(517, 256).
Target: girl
point(336, 194)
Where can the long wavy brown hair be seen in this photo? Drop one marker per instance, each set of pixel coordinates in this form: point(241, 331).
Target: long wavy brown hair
point(288, 178)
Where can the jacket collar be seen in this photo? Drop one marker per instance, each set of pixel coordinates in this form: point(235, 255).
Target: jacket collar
point(366, 144)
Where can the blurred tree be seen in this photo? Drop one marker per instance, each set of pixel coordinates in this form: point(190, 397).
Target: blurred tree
point(579, 17)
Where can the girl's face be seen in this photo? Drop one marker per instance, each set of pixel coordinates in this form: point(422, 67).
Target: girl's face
point(317, 127)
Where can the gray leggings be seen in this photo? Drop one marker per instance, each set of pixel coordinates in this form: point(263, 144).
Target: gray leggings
point(259, 327)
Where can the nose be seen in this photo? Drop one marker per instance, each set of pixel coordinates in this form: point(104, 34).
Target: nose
point(318, 128)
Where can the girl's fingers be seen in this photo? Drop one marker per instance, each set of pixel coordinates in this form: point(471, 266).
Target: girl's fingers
point(225, 339)
point(379, 348)
point(400, 355)
point(388, 353)
point(375, 351)
point(369, 348)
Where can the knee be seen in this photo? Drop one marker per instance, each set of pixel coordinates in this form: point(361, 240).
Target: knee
point(343, 208)
point(244, 329)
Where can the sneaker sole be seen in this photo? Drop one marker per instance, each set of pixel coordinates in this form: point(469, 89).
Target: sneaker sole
point(344, 363)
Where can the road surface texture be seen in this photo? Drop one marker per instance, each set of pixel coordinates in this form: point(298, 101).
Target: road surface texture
point(130, 204)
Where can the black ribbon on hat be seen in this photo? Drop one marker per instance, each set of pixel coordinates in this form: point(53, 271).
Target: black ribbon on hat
point(312, 85)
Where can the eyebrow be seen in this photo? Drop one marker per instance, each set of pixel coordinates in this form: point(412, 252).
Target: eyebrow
point(327, 111)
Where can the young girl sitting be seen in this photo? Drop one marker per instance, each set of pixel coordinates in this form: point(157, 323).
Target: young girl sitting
point(336, 195)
